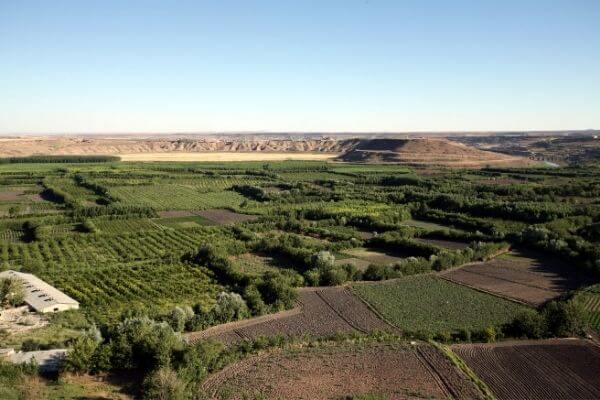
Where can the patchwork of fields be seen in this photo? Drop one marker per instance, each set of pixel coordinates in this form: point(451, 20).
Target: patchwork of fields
point(240, 251)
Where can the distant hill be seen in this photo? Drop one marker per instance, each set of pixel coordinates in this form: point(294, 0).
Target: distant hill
point(425, 152)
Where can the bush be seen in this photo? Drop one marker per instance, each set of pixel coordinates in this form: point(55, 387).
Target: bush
point(80, 359)
point(164, 384)
point(563, 319)
point(334, 276)
point(527, 324)
point(322, 260)
point(277, 291)
point(11, 292)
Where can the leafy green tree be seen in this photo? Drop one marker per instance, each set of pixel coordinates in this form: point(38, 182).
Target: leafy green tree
point(12, 292)
point(164, 384)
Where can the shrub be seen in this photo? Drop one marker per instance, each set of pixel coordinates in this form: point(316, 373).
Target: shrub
point(334, 276)
point(527, 324)
point(11, 292)
point(80, 359)
point(164, 384)
point(563, 319)
point(322, 260)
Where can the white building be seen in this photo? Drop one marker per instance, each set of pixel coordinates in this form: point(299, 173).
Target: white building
point(39, 295)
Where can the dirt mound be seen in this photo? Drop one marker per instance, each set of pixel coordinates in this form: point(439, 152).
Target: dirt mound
point(424, 151)
point(109, 146)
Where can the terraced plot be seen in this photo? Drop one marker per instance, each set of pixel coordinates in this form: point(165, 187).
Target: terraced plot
point(394, 371)
point(320, 312)
point(523, 278)
point(545, 369)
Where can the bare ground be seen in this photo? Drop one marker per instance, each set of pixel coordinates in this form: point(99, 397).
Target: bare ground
point(391, 370)
point(544, 369)
point(526, 278)
point(319, 312)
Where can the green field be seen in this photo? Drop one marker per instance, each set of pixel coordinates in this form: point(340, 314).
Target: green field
point(433, 305)
point(589, 299)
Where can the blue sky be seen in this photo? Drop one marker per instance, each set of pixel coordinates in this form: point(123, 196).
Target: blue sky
point(370, 65)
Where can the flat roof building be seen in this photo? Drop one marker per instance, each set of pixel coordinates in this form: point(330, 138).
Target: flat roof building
point(41, 296)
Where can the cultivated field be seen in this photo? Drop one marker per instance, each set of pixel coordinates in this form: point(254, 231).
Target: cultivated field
point(546, 369)
point(431, 305)
point(319, 312)
point(226, 156)
point(517, 276)
point(446, 244)
point(394, 371)
point(589, 299)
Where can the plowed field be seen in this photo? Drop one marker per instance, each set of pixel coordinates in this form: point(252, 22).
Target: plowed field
point(391, 370)
point(319, 312)
point(524, 278)
point(545, 369)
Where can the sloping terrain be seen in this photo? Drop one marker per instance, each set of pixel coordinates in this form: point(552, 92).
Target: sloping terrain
point(110, 146)
point(425, 151)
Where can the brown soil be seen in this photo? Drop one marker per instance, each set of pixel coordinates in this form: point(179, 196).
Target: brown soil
point(225, 217)
point(523, 278)
point(12, 195)
point(446, 244)
point(332, 372)
point(320, 312)
point(545, 369)
point(426, 151)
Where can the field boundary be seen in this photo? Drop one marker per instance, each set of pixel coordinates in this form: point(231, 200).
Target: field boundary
point(465, 369)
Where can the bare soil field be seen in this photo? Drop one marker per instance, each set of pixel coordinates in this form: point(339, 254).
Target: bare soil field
point(394, 371)
point(445, 244)
point(11, 195)
point(361, 265)
point(372, 256)
point(545, 369)
point(522, 277)
point(320, 312)
point(224, 217)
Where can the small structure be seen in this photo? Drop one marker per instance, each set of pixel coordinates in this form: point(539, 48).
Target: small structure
point(39, 295)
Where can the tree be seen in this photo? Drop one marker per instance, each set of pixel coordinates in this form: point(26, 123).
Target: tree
point(80, 359)
point(12, 292)
point(563, 319)
point(322, 260)
point(164, 384)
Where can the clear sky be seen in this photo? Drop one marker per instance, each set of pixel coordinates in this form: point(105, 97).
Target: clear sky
point(290, 65)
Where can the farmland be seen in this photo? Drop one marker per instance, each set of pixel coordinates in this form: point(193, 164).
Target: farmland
point(431, 305)
point(318, 313)
point(230, 256)
point(552, 369)
point(343, 370)
point(527, 279)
